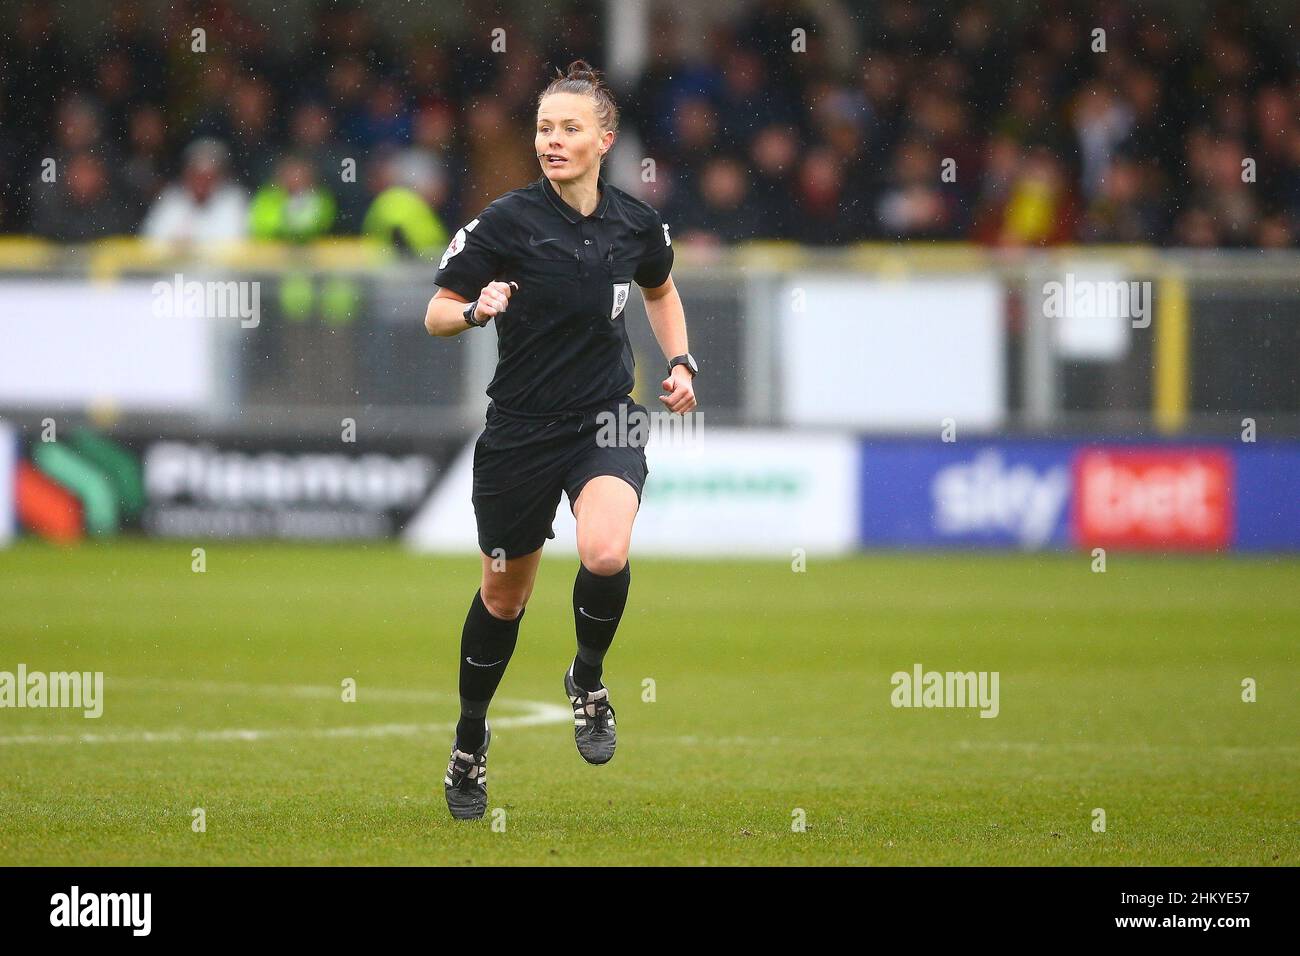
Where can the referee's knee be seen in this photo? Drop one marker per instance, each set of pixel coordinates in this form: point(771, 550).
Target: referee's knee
point(503, 604)
point(604, 561)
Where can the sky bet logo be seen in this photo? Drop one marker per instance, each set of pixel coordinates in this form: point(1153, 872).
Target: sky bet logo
point(103, 909)
point(1154, 498)
point(988, 496)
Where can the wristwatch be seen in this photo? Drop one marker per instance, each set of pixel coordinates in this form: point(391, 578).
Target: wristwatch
point(686, 359)
point(469, 316)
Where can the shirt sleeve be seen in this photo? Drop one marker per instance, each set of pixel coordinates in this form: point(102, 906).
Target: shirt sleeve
point(473, 258)
point(657, 260)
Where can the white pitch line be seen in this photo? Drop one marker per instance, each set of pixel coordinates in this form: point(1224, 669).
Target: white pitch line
point(537, 713)
point(313, 691)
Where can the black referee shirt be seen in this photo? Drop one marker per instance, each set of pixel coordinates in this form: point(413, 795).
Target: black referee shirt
point(561, 343)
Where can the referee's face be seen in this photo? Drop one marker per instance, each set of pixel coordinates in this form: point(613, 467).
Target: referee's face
point(569, 139)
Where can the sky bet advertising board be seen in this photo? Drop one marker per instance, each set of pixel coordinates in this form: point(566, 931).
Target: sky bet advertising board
point(1036, 495)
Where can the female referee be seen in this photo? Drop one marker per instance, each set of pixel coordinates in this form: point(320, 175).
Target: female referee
point(551, 265)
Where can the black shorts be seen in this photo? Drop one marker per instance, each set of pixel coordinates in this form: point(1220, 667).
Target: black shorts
point(522, 463)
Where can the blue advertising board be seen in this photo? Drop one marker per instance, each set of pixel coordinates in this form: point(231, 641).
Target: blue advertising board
point(1054, 494)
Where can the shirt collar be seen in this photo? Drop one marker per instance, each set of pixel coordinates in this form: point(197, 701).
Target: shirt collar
point(567, 211)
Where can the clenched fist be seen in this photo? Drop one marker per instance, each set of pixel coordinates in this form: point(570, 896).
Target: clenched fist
point(680, 389)
point(493, 300)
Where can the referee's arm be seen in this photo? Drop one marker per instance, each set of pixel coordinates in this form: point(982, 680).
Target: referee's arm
point(663, 307)
point(445, 315)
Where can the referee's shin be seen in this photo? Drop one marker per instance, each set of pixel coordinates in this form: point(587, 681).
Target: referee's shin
point(598, 602)
point(486, 644)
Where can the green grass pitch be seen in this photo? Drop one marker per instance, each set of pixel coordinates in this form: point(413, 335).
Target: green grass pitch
point(1120, 691)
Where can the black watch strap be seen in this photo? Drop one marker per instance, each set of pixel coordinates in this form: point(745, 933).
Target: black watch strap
point(686, 359)
point(469, 315)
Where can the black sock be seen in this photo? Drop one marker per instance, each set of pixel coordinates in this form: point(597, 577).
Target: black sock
point(486, 644)
point(598, 602)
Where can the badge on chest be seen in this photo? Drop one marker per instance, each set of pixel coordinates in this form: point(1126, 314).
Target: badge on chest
point(621, 291)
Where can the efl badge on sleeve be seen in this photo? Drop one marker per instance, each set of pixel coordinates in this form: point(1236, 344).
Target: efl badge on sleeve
point(621, 291)
point(457, 244)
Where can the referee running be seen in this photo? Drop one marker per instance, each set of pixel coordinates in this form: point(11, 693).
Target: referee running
point(552, 265)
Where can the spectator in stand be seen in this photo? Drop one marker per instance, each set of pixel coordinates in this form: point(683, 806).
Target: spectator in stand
point(820, 215)
point(142, 177)
point(41, 61)
point(838, 117)
point(743, 86)
point(1153, 136)
point(1029, 118)
point(79, 129)
point(1001, 168)
point(293, 207)
point(1274, 231)
point(695, 135)
point(433, 147)
point(495, 163)
point(252, 141)
point(347, 83)
point(913, 205)
point(1219, 188)
point(774, 160)
point(881, 85)
point(114, 87)
point(1013, 94)
point(204, 206)
point(1040, 208)
point(720, 213)
point(208, 101)
point(1123, 209)
point(1195, 228)
point(650, 104)
point(79, 205)
point(384, 119)
point(400, 216)
point(1101, 122)
point(981, 49)
point(1274, 124)
point(311, 136)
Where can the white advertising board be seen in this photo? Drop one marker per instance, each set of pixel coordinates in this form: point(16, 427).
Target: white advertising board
point(8, 464)
point(74, 344)
point(892, 355)
point(728, 492)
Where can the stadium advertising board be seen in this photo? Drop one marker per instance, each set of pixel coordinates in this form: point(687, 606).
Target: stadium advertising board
point(74, 344)
point(8, 473)
point(744, 492)
point(907, 352)
point(1178, 498)
point(1267, 488)
point(985, 494)
point(733, 492)
point(1050, 494)
point(89, 483)
point(200, 489)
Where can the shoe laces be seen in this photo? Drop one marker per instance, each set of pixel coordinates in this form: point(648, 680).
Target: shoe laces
point(597, 708)
point(464, 767)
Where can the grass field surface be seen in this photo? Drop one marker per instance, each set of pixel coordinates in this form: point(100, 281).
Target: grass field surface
point(1119, 691)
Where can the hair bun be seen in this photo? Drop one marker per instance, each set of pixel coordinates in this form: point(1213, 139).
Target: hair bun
point(582, 70)
point(582, 79)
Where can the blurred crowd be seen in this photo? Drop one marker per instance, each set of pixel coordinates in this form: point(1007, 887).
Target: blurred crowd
point(947, 122)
